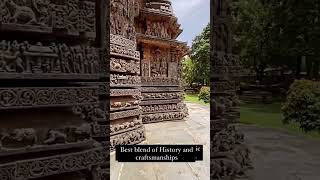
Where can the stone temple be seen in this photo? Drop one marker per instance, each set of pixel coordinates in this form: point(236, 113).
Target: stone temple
point(53, 95)
point(145, 66)
point(161, 68)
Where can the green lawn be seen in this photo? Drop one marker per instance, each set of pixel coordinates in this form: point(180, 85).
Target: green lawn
point(269, 115)
point(194, 99)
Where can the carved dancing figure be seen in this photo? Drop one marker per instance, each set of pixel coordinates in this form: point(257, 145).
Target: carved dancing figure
point(65, 53)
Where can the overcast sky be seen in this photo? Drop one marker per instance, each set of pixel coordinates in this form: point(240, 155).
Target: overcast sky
point(193, 15)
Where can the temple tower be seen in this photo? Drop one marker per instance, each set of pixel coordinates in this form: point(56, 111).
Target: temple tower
point(161, 68)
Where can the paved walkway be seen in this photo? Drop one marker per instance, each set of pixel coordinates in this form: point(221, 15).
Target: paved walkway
point(195, 130)
point(279, 155)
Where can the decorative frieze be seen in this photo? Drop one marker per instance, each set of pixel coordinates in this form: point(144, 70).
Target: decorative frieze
point(161, 96)
point(38, 61)
point(161, 89)
point(159, 117)
point(162, 108)
point(52, 165)
point(158, 29)
point(125, 92)
point(160, 81)
point(124, 105)
point(129, 138)
point(155, 102)
point(47, 97)
point(160, 7)
point(117, 50)
point(124, 66)
point(33, 139)
point(117, 80)
point(125, 114)
point(70, 17)
point(126, 126)
point(121, 41)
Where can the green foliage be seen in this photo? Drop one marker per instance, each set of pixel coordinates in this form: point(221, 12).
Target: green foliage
point(204, 94)
point(188, 71)
point(277, 33)
point(200, 56)
point(303, 105)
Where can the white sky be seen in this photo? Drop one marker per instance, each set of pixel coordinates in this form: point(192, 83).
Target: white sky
point(193, 15)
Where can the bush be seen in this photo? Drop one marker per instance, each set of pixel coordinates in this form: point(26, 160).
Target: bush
point(204, 94)
point(303, 105)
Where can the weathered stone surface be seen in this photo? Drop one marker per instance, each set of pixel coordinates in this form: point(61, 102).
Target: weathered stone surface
point(52, 117)
point(161, 62)
point(126, 125)
point(229, 156)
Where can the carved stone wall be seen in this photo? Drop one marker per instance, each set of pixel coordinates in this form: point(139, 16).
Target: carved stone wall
point(126, 124)
point(229, 156)
point(53, 111)
point(161, 66)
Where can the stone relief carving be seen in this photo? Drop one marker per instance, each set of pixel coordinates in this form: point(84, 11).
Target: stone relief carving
point(124, 80)
point(126, 126)
point(159, 64)
point(124, 66)
point(125, 92)
point(158, 108)
point(24, 58)
point(152, 102)
point(46, 97)
point(52, 165)
point(161, 7)
point(158, 29)
point(48, 16)
point(37, 139)
point(160, 81)
point(118, 50)
point(229, 156)
point(121, 41)
point(150, 118)
point(117, 105)
point(161, 96)
point(124, 114)
point(161, 89)
point(122, 18)
point(128, 138)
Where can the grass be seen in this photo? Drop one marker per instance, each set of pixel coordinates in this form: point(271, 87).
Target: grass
point(269, 115)
point(193, 98)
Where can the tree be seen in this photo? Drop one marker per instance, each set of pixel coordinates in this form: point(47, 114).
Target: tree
point(277, 33)
point(200, 56)
point(189, 76)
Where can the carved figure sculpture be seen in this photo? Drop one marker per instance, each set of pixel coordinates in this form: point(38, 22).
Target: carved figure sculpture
point(21, 14)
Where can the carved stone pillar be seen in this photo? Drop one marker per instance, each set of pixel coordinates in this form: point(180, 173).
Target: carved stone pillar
point(125, 81)
point(229, 156)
